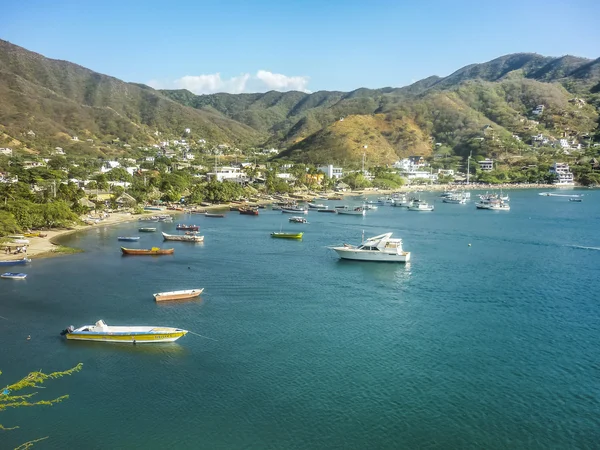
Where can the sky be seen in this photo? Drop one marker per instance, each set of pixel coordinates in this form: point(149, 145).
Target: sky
point(260, 45)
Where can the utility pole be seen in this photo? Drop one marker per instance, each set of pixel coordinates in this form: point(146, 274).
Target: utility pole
point(469, 166)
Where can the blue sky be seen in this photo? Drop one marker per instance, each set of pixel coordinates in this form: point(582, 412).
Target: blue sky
point(246, 46)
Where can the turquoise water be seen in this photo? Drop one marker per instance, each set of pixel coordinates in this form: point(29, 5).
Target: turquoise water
point(489, 346)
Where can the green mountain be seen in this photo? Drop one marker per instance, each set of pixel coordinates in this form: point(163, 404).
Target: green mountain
point(57, 100)
point(476, 109)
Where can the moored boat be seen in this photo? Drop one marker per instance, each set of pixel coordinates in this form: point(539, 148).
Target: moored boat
point(327, 210)
point(249, 211)
point(286, 235)
point(183, 227)
point(378, 248)
point(316, 206)
point(418, 205)
point(14, 276)
point(100, 332)
point(15, 262)
point(177, 295)
point(128, 238)
point(359, 211)
point(578, 200)
point(147, 251)
point(146, 230)
point(294, 211)
point(213, 215)
point(298, 219)
point(182, 237)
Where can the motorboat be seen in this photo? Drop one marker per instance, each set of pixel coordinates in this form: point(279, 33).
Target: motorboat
point(177, 295)
point(358, 211)
point(368, 206)
point(494, 204)
point(401, 201)
point(101, 332)
point(249, 211)
point(183, 227)
point(14, 276)
point(578, 200)
point(294, 210)
point(286, 235)
point(128, 238)
point(214, 215)
point(326, 210)
point(316, 206)
point(418, 205)
point(183, 237)
point(147, 251)
point(297, 219)
point(15, 262)
point(146, 230)
point(378, 248)
point(455, 198)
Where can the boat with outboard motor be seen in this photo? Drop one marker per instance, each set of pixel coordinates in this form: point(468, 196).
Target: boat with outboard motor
point(183, 227)
point(193, 237)
point(378, 248)
point(418, 205)
point(294, 211)
point(297, 219)
point(146, 230)
point(100, 332)
point(128, 238)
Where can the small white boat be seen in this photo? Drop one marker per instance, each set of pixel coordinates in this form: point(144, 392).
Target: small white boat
point(368, 207)
point(100, 332)
point(294, 211)
point(128, 238)
point(493, 204)
point(177, 295)
point(418, 205)
point(14, 276)
point(316, 206)
point(359, 211)
point(578, 200)
point(378, 248)
point(183, 237)
point(298, 219)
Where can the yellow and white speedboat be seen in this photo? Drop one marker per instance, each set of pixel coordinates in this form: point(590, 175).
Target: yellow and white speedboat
point(101, 332)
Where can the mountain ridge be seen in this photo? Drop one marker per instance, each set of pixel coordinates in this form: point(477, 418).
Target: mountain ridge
point(58, 99)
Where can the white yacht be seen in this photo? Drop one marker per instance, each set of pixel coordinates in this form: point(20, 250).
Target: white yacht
point(359, 211)
point(377, 248)
point(494, 204)
point(418, 205)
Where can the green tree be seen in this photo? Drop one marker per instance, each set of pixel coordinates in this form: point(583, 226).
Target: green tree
point(8, 224)
point(58, 163)
point(31, 383)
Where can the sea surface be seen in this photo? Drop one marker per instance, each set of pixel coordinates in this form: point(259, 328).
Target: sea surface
point(490, 346)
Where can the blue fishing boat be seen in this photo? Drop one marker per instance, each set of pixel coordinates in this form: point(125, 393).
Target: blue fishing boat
point(128, 238)
point(14, 276)
point(15, 262)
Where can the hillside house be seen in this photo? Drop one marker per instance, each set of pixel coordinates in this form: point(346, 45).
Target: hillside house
point(149, 159)
point(228, 173)
point(32, 164)
point(126, 200)
point(187, 131)
point(486, 165)
point(6, 151)
point(332, 172)
point(58, 151)
point(107, 166)
point(564, 176)
point(538, 110)
point(30, 133)
point(75, 139)
point(6, 178)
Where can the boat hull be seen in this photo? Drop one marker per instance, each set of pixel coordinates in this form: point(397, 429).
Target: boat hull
point(352, 213)
point(137, 337)
point(287, 235)
point(294, 211)
point(151, 252)
point(146, 230)
point(128, 239)
point(13, 276)
point(358, 255)
point(182, 238)
point(177, 295)
point(16, 262)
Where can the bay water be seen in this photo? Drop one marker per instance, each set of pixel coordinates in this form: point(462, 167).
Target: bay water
point(492, 345)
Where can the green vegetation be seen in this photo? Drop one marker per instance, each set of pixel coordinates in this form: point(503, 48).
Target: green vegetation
point(8, 399)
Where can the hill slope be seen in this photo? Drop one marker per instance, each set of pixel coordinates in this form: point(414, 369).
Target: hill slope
point(58, 99)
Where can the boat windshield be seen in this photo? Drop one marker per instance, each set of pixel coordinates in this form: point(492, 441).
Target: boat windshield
point(368, 247)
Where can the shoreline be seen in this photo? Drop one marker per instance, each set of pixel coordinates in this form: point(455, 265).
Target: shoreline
point(48, 247)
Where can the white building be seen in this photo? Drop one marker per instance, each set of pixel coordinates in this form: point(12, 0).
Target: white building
point(6, 151)
point(486, 165)
point(228, 173)
point(446, 172)
point(58, 151)
point(109, 165)
point(332, 172)
point(150, 159)
point(563, 173)
point(539, 109)
point(188, 131)
point(189, 156)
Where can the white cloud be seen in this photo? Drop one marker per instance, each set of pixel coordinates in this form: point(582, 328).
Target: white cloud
point(262, 81)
